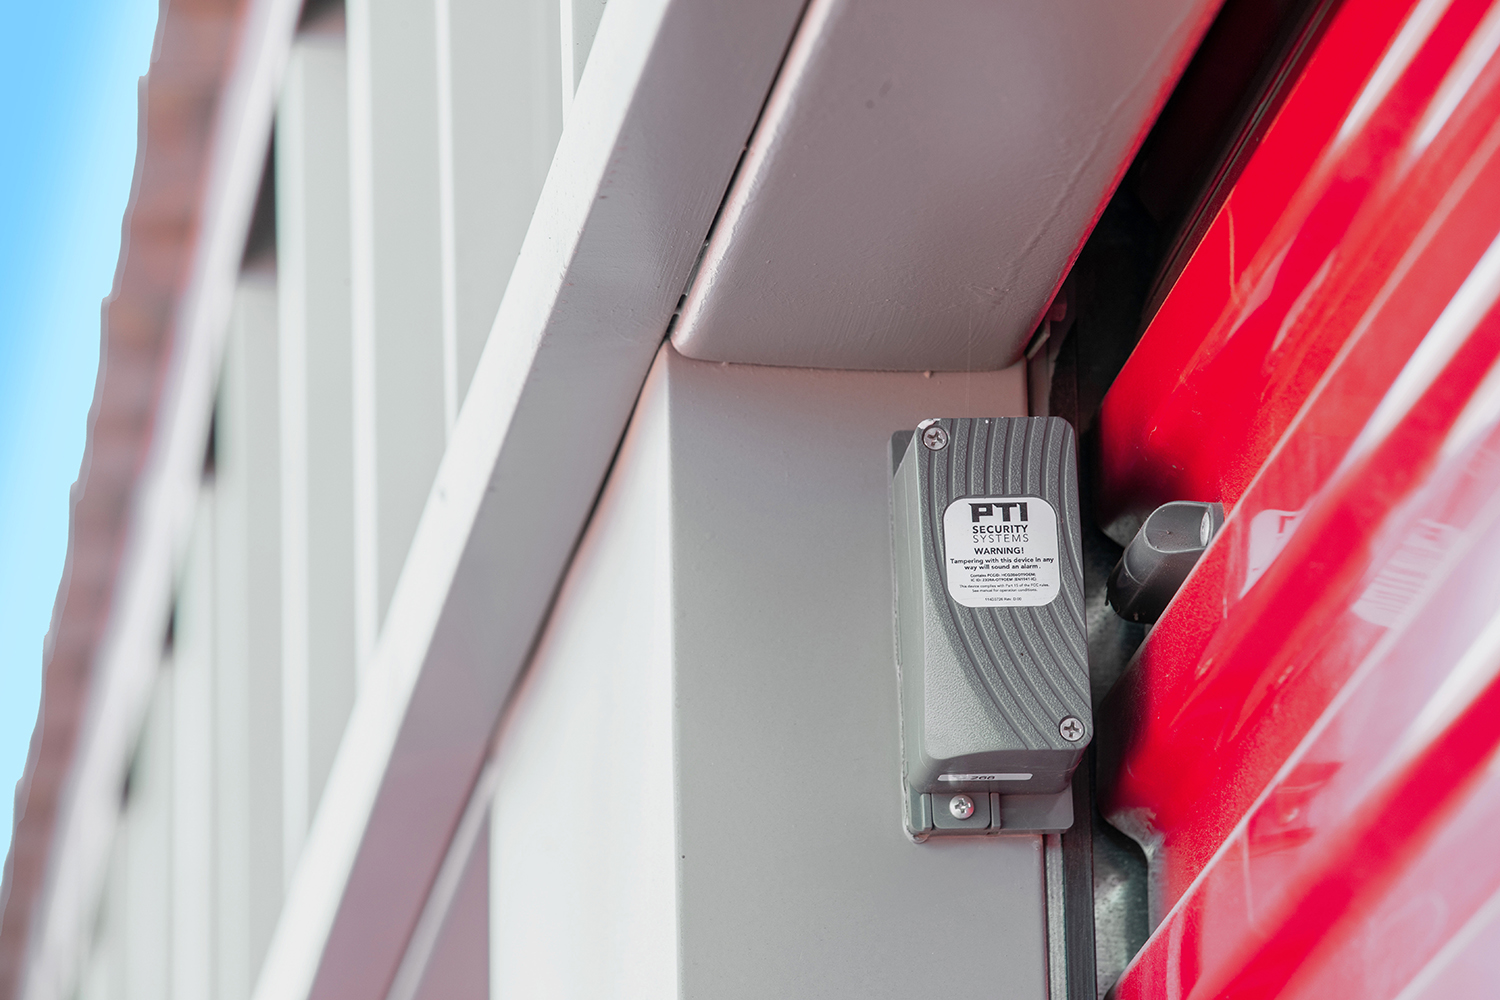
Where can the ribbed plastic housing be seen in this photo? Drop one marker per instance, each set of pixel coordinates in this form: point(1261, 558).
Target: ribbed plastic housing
point(990, 617)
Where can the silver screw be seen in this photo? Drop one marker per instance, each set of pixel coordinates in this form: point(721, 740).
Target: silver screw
point(1071, 729)
point(933, 435)
point(961, 806)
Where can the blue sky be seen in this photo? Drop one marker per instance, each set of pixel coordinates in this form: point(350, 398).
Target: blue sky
point(68, 75)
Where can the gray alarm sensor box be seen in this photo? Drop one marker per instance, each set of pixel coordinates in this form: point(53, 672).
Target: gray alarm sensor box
point(991, 640)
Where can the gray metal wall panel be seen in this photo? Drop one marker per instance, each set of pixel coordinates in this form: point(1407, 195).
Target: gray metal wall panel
point(583, 899)
point(317, 423)
point(654, 132)
point(795, 876)
point(507, 117)
point(246, 685)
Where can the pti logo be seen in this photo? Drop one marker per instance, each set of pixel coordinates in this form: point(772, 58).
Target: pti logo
point(980, 511)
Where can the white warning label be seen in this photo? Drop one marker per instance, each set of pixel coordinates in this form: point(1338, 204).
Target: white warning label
point(1001, 552)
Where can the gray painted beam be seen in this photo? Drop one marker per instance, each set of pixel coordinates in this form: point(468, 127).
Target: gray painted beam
point(925, 174)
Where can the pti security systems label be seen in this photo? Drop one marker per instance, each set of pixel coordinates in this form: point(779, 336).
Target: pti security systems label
point(1001, 552)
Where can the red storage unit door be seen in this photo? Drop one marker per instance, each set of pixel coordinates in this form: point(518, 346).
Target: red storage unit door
point(1307, 740)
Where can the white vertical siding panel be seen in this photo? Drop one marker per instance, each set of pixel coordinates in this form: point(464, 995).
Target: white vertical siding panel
point(400, 403)
point(506, 110)
point(317, 424)
point(247, 676)
point(104, 974)
point(443, 56)
point(97, 980)
point(366, 515)
point(292, 280)
point(191, 676)
point(231, 665)
point(583, 854)
point(147, 860)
